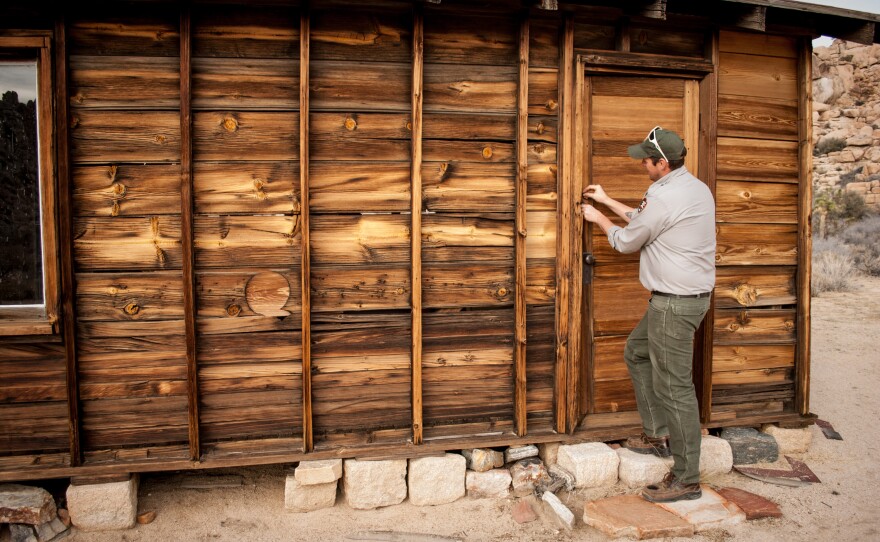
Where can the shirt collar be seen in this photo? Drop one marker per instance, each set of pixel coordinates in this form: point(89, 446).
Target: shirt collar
point(671, 176)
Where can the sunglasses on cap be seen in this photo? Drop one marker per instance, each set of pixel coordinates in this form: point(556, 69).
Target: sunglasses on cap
point(652, 139)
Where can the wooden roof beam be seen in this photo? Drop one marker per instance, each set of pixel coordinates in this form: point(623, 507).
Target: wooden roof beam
point(652, 9)
point(549, 5)
point(746, 16)
point(864, 32)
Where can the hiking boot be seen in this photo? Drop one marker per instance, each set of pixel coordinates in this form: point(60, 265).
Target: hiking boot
point(671, 490)
point(643, 444)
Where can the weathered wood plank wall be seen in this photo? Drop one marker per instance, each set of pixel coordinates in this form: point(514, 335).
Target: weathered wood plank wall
point(757, 213)
point(392, 141)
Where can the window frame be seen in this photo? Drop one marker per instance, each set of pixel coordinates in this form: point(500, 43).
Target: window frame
point(39, 320)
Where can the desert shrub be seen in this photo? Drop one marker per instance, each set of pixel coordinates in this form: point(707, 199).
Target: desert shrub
point(831, 144)
point(863, 240)
point(833, 269)
point(850, 177)
point(835, 209)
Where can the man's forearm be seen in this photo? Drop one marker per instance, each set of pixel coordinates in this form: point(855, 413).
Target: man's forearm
point(604, 222)
point(619, 209)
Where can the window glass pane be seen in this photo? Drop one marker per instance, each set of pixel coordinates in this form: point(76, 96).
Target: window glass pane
point(21, 263)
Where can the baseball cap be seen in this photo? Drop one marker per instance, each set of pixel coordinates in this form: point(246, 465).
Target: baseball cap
point(667, 140)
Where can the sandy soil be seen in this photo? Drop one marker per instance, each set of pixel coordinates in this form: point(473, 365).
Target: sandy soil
point(845, 380)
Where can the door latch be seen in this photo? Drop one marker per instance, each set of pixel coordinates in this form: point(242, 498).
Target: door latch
point(589, 260)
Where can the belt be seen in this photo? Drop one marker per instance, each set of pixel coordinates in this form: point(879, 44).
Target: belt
point(682, 296)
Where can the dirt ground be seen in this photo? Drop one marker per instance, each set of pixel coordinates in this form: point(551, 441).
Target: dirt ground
point(845, 380)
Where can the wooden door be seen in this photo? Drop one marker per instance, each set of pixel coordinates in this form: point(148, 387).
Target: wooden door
point(620, 111)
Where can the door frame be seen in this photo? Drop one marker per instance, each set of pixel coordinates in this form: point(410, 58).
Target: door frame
point(572, 374)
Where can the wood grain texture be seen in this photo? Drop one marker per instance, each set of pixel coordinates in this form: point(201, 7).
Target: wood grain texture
point(366, 86)
point(124, 136)
point(756, 244)
point(658, 40)
point(129, 296)
point(469, 188)
point(305, 262)
point(520, 233)
point(759, 326)
point(229, 31)
point(154, 33)
point(138, 82)
point(757, 160)
point(490, 41)
point(416, 209)
point(462, 87)
point(364, 287)
point(462, 284)
point(242, 241)
point(757, 76)
point(805, 224)
point(126, 190)
point(756, 202)
point(362, 36)
point(743, 286)
point(757, 117)
point(751, 43)
point(354, 239)
point(230, 188)
point(245, 135)
point(245, 83)
point(127, 243)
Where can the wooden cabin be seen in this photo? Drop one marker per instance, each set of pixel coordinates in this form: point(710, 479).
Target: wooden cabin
point(278, 231)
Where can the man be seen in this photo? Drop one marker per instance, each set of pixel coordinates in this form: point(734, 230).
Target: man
point(674, 228)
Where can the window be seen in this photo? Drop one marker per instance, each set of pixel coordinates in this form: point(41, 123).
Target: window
point(28, 268)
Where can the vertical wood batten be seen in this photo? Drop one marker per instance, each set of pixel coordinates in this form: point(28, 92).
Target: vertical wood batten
point(805, 219)
point(586, 395)
point(416, 214)
point(65, 233)
point(706, 167)
point(186, 229)
point(522, 135)
point(563, 228)
point(575, 379)
point(305, 265)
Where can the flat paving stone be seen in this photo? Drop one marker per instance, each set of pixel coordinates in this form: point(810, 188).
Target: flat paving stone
point(754, 506)
point(711, 511)
point(632, 516)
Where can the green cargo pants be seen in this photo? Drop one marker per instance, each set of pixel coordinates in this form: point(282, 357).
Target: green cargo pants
point(659, 355)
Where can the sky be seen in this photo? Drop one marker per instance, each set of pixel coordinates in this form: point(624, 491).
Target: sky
point(22, 78)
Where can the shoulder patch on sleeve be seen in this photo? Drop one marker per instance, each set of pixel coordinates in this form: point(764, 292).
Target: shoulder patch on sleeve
point(643, 204)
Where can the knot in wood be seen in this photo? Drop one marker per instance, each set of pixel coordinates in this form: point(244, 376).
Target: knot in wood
point(399, 291)
point(79, 98)
point(746, 294)
point(114, 210)
point(160, 139)
point(350, 124)
point(551, 105)
point(409, 126)
point(230, 124)
point(132, 308)
point(501, 292)
point(746, 194)
point(119, 189)
point(540, 128)
point(233, 310)
point(487, 152)
point(111, 172)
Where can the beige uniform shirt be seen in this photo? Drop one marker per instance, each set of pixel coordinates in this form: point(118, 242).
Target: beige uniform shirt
point(674, 227)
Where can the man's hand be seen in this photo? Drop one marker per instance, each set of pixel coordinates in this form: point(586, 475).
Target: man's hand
point(596, 193)
point(591, 214)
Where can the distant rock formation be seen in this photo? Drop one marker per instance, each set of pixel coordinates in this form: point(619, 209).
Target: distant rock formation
point(846, 119)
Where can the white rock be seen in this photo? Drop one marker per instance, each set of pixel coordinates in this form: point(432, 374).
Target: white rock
point(520, 452)
point(299, 497)
point(594, 464)
point(371, 484)
point(103, 507)
point(548, 451)
point(790, 441)
point(716, 456)
point(490, 484)
point(482, 460)
point(322, 471)
point(436, 480)
point(559, 510)
point(639, 470)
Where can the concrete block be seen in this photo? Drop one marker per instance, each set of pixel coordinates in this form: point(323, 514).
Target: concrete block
point(711, 511)
point(559, 511)
point(490, 484)
point(634, 517)
point(520, 452)
point(103, 507)
point(371, 484)
point(299, 497)
point(436, 480)
point(25, 504)
point(321, 471)
point(548, 451)
point(482, 460)
point(639, 470)
point(790, 441)
point(716, 456)
point(749, 446)
point(594, 464)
